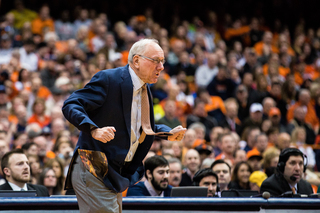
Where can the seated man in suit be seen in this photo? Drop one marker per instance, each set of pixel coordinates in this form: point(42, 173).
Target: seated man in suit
point(157, 183)
point(207, 178)
point(16, 170)
point(288, 176)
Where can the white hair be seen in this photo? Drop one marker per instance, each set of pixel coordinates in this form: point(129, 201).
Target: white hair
point(140, 47)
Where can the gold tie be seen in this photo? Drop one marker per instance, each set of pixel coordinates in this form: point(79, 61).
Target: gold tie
point(293, 190)
point(145, 117)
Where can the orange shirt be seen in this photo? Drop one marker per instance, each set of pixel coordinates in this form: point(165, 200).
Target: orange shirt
point(39, 26)
point(259, 48)
point(311, 116)
point(283, 71)
point(216, 103)
point(231, 32)
point(43, 92)
point(35, 119)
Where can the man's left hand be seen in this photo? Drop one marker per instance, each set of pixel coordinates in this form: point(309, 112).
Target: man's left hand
point(178, 133)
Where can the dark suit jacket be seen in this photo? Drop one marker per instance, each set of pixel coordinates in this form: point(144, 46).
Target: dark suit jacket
point(277, 185)
point(106, 101)
point(140, 190)
point(42, 191)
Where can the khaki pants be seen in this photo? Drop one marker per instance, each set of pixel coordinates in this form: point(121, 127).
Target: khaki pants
point(92, 194)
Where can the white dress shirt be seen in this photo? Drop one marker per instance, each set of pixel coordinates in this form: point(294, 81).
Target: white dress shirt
point(17, 188)
point(135, 114)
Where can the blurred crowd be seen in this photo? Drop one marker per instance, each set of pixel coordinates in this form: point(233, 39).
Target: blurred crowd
point(244, 90)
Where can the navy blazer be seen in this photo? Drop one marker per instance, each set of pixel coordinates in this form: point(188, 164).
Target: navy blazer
point(42, 191)
point(106, 101)
point(141, 190)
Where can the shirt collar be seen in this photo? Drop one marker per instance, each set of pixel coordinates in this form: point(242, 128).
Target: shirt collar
point(17, 188)
point(136, 81)
point(151, 190)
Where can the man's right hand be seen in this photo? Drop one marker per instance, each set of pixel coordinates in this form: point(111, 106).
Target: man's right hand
point(104, 134)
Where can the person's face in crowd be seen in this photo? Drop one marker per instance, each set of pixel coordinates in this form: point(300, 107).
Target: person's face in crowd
point(65, 149)
point(199, 110)
point(175, 174)
point(301, 135)
point(57, 169)
point(34, 165)
point(266, 125)
point(223, 172)
point(256, 116)
point(4, 148)
point(200, 133)
point(192, 160)
point(177, 149)
point(148, 70)
point(18, 170)
point(254, 187)
point(170, 108)
point(274, 161)
point(275, 120)
point(211, 183)
point(228, 144)
point(240, 155)
point(294, 167)
point(283, 141)
point(251, 137)
point(244, 173)
point(255, 163)
point(50, 179)
point(232, 110)
point(268, 103)
point(262, 143)
point(212, 60)
point(42, 145)
point(189, 138)
point(216, 131)
point(159, 178)
point(242, 93)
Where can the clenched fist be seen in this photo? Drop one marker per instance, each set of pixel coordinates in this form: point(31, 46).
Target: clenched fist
point(104, 134)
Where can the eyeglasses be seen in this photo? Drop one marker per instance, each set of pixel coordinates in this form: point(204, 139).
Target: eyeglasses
point(156, 61)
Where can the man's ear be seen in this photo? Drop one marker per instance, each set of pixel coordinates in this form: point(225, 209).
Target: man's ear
point(149, 175)
point(136, 61)
point(6, 171)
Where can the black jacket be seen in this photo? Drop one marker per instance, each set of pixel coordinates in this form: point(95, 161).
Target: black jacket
point(277, 185)
point(42, 191)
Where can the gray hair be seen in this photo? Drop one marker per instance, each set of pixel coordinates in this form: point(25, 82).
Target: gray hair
point(140, 47)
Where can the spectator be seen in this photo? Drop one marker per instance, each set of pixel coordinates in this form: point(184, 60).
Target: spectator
point(270, 160)
point(157, 183)
point(304, 101)
point(63, 26)
point(253, 132)
point(48, 179)
point(35, 168)
point(215, 143)
point(228, 147)
point(82, 19)
point(169, 117)
point(214, 105)
point(261, 143)
point(5, 49)
point(255, 118)
point(242, 99)
point(289, 174)
point(28, 59)
point(256, 179)
point(192, 165)
point(22, 14)
point(239, 155)
point(175, 172)
point(58, 165)
point(207, 178)
point(240, 176)
point(205, 73)
point(16, 171)
point(254, 159)
point(199, 114)
point(44, 23)
point(299, 120)
point(38, 113)
point(223, 170)
point(231, 120)
point(275, 117)
point(221, 85)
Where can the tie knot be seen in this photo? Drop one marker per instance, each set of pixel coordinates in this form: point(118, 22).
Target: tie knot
point(144, 86)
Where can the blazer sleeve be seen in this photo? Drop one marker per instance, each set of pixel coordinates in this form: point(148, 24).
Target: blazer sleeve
point(83, 101)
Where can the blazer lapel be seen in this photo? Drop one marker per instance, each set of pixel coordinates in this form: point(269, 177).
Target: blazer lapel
point(127, 91)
